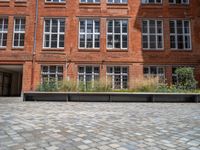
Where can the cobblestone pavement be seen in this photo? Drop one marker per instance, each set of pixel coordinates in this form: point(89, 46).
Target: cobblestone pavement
point(98, 126)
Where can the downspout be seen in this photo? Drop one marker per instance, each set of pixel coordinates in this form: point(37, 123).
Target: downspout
point(34, 45)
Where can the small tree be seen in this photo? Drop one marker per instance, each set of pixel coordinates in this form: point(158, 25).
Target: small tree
point(186, 80)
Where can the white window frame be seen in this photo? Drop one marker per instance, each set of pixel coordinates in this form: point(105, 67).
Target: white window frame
point(84, 74)
point(52, 1)
point(93, 34)
point(147, 2)
point(93, 1)
point(159, 75)
point(113, 74)
point(50, 33)
point(182, 2)
point(113, 34)
point(57, 73)
point(3, 31)
point(113, 2)
point(148, 34)
point(19, 32)
point(183, 35)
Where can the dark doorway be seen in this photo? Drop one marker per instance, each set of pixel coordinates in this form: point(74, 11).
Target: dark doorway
point(10, 80)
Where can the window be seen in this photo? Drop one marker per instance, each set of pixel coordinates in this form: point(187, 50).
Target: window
point(54, 33)
point(117, 34)
point(117, 1)
point(179, 1)
point(51, 74)
point(3, 31)
point(180, 36)
point(87, 75)
point(56, 1)
point(89, 33)
point(90, 1)
point(154, 71)
point(152, 34)
point(19, 32)
point(151, 1)
point(118, 77)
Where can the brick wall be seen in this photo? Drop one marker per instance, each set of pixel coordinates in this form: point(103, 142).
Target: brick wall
point(71, 55)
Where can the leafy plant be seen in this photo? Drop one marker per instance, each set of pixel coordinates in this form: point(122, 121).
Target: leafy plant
point(186, 80)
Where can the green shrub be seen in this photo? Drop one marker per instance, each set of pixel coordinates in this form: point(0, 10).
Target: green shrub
point(186, 80)
point(50, 86)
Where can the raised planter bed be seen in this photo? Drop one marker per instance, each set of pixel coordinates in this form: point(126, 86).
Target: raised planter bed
point(111, 97)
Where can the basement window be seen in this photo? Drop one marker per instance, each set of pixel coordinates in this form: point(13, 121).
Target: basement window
point(51, 74)
point(151, 1)
point(179, 1)
point(117, 76)
point(87, 75)
point(117, 1)
point(155, 71)
point(89, 1)
point(56, 1)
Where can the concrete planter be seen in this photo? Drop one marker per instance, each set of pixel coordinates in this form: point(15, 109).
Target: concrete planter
point(111, 97)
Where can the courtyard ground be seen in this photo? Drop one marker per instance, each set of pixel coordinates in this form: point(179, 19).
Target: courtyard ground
point(98, 126)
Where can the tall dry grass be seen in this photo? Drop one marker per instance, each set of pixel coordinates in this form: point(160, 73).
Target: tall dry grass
point(144, 84)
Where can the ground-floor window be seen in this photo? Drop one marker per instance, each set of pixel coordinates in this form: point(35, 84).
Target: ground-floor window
point(52, 73)
point(155, 71)
point(118, 76)
point(87, 75)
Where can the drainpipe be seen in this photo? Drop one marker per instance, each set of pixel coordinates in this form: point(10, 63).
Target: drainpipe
point(34, 44)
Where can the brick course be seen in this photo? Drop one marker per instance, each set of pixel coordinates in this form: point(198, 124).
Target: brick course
point(71, 56)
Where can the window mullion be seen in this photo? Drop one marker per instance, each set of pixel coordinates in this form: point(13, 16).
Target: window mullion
point(85, 33)
point(58, 34)
point(93, 34)
point(50, 33)
point(148, 32)
point(156, 33)
point(113, 36)
point(121, 35)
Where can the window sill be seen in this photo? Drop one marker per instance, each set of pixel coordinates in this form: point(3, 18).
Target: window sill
point(53, 49)
point(181, 50)
point(20, 2)
point(153, 50)
point(4, 3)
point(152, 6)
point(118, 6)
point(55, 5)
point(90, 5)
point(117, 50)
point(2, 48)
point(17, 48)
point(88, 50)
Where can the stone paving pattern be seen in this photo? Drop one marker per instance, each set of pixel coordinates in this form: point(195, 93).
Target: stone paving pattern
point(98, 126)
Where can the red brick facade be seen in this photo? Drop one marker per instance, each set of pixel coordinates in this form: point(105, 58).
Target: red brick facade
point(71, 56)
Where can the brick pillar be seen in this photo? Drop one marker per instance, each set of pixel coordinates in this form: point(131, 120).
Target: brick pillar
point(10, 33)
point(135, 72)
point(37, 76)
point(168, 74)
point(26, 85)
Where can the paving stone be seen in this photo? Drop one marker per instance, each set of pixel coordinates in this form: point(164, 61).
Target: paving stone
point(98, 126)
